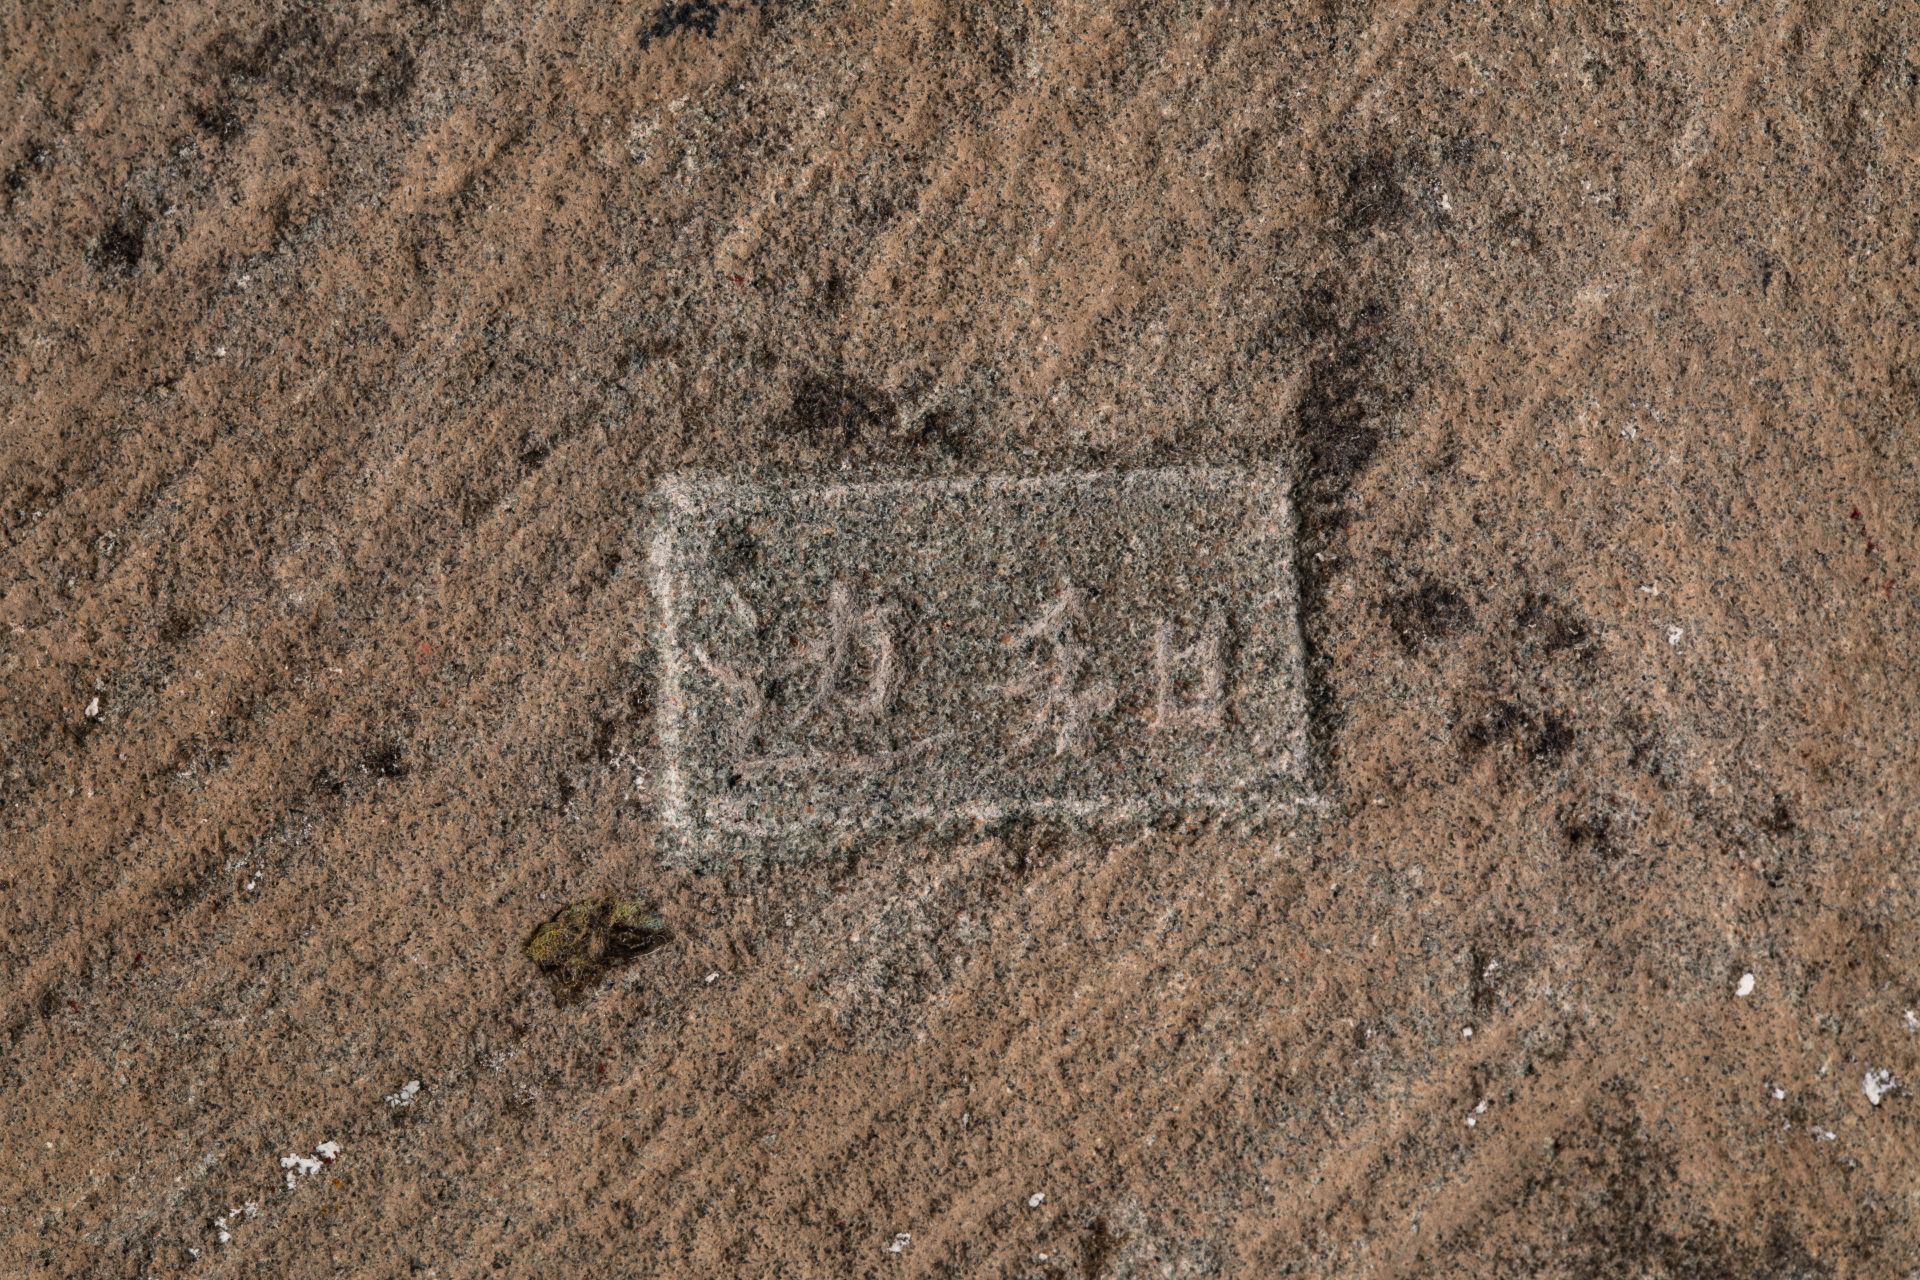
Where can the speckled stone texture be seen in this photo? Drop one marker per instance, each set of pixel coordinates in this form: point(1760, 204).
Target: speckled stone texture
point(345, 348)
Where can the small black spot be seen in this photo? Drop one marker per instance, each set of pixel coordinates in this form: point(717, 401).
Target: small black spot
point(1779, 821)
point(120, 246)
point(1481, 992)
point(533, 453)
point(1556, 627)
point(1021, 837)
point(1019, 855)
point(78, 731)
point(734, 551)
point(174, 627)
point(1553, 741)
point(702, 16)
point(1647, 749)
point(938, 432)
point(1374, 196)
point(1497, 724)
point(385, 760)
point(1429, 612)
point(830, 296)
point(218, 119)
point(783, 689)
point(1591, 833)
point(1515, 229)
point(18, 176)
point(600, 747)
point(638, 709)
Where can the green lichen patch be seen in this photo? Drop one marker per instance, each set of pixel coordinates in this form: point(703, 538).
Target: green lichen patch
point(577, 947)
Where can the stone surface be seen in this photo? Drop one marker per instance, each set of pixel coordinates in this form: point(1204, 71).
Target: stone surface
point(1095, 646)
point(345, 349)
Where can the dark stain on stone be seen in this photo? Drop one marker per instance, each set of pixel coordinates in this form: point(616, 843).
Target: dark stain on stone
point(331, 65)
point(1610, 1195)
point(385, 760)
point(1097, 1246)
point(1481, 991)
point(1360, 371)
point(1779, 820)
point(1021, 836)
point(1499, 723)
point(634, 710)
point(938, 431)
point(1427, 613)
point(1590, 834)
point(533, 453)
point(1647, 749)
point(218, 119)
point(700, 17)
point(1551, 624)
point(175, 626)
point(1553, 741)
point(21, 173)
point(1373, 195)
point(1517, 230)
point(121, 246)
point(840, 412)
point(735, 551)
point(840, 417)
point(1542, 737)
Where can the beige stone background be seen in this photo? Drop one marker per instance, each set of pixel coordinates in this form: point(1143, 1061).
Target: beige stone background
point(341, 344)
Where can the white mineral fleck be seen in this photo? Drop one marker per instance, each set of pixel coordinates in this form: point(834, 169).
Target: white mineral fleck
point(1878, 1084)
point(1746, 986)
point(299, 1166)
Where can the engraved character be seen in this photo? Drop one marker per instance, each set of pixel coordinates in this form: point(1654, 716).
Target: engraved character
point(1062, 706)
point(834, 654)
point(828, 666)
point(1204, 703)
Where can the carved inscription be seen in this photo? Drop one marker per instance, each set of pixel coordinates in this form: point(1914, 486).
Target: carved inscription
point(846, 655)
